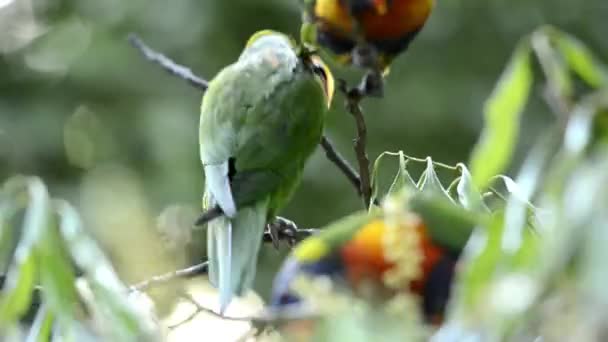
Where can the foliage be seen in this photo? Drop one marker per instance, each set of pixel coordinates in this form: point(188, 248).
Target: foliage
point(532, 266)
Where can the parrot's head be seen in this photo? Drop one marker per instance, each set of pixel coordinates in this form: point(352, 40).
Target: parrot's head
point(269, 39)
point(265, 39)
point(379, 7)
point(322, 74)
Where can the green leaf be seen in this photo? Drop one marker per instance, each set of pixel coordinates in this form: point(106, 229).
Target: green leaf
point(41, 329)
point(468, 195)
point(580, 59)
point(483, 255)
point(57, 277)
point(17, 291)
point(502, 112)
point(109, 302)
point(22, 273)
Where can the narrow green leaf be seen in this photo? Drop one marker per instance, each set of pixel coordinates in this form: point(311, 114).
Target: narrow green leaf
point(468, 195)
point(41, 329)
point(109, 302)
point(17, 291)
point(57, 276)
point(502, 112)
point(22, 273)
point(581, 60)
point(483, 256)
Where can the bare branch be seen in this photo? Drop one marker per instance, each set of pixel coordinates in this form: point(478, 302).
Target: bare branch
point(186, 74)
point(265, 318)
point(281, 232)
point(173, 68)
point(164, 278)
point(334, 156)
point(353, 106)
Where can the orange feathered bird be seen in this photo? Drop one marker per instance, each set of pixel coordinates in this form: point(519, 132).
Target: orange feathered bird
point(369, 251)
point(366, 33)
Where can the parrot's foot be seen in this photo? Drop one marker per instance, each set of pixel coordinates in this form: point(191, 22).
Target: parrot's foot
point(372, 85)
point(282, 229)
point(365, 56)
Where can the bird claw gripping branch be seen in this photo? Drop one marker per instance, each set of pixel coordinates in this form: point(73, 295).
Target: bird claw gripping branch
point(282, 229)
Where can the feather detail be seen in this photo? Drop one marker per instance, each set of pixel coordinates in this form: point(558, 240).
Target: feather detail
point(218, 184)
point(232, 246)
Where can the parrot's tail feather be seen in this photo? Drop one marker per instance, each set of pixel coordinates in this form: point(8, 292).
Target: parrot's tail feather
point(233, 246)
point(224, 237)
point(217, 183)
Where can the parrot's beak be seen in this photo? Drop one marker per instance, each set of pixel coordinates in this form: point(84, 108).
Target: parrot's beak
point(380, 6)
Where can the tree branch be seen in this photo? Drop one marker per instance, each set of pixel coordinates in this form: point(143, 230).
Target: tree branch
point(186, 74)
point(167, 64)
point(169, 276)
point(282, 232)
point(335, 157)
point(265, 318)
point(353, 106)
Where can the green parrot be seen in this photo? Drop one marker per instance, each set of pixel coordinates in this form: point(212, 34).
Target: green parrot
point(261, 119)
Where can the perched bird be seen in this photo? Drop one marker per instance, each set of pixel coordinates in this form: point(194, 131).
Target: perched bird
point(261, 118)
point(375, 256)
point(367, 33)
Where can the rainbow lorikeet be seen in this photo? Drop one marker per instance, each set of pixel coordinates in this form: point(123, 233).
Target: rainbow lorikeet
point(367, 250)
point(261, 119)
point(367, 33)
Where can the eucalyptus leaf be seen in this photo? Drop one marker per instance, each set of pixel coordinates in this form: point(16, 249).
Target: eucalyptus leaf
point(41, 329)
point(468, 195)
point(108, 300)
point(581, 60)
point(57, 277)
point(502, 112)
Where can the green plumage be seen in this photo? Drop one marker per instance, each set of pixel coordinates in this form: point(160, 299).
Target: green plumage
point(261, 118)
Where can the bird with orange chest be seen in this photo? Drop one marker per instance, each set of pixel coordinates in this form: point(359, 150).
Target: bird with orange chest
point(375, 257)
point(366, 33)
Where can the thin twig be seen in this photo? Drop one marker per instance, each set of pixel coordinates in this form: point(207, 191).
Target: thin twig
point(353, 106)
point(341, 163)
point(360, 149)
point(185, 73)
point(291, 234)
point(173, 68)
point(169, 276)
point(264, 318)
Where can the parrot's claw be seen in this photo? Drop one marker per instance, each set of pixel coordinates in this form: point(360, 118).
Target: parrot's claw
point(372, 84)
point(282, 229)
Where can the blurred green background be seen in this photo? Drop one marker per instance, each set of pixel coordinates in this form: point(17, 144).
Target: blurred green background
point(74, 95)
